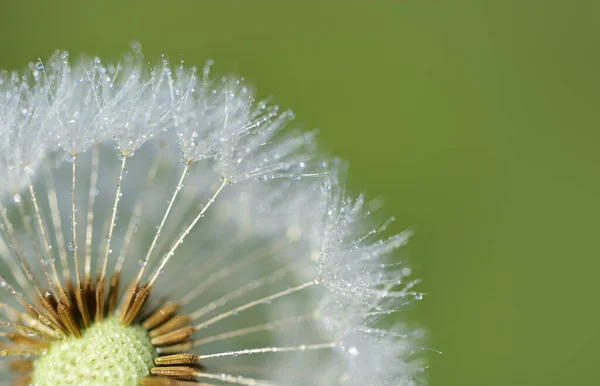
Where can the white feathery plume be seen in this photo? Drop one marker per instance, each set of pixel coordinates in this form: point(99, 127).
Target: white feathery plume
point(23, 110)
point(223, 121)
point(93, 102)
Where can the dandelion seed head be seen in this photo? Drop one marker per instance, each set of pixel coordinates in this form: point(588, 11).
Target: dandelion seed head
point(189, 234)
point(118, 355)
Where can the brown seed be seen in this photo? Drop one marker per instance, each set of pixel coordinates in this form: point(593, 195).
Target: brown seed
point(172, 324)
point(25, 341)
point(20, 366)
point(173, 337)
point(176, 359)
point(66, 317)
point(136, 305)
point(100, 300)
point(161, 315)
point(180, 372)
point(113, 292)
point(81, 300)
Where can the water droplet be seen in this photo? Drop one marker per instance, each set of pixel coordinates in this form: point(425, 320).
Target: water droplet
point(69, 157)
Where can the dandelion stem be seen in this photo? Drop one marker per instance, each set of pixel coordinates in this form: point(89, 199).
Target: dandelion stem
point(46, 243)
point(73, 245)
point(8, 232)
point(131, 229)
point(137, 213)
point(58, 232)
point(266, 350)
point(162, 223)
point(241, 291)
point(253, 329)
point(47, 319)
point(107, 250)
point(111, 226)
point(257, 255)
point(17, 316)
point(253, 304)
point(33, 242)
point(204, 268)
point(177, 243)
point(13, 265)
point(80, 292)
point(90, 211)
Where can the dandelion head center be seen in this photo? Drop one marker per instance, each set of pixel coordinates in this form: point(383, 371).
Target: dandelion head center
point(108, 353)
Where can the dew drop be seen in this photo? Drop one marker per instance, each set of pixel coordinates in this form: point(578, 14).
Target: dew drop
point(44, 320)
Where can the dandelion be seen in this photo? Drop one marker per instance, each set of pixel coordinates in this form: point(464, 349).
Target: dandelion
point(160, 228)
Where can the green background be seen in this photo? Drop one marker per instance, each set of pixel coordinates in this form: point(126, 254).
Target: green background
point(477, 121)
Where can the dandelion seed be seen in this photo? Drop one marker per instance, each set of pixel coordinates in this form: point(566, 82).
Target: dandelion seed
point(160, 227)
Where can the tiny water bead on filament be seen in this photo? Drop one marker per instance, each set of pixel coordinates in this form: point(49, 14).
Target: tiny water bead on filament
point(161, 227)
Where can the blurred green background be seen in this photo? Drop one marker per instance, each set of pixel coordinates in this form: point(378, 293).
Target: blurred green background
point(477, 121)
